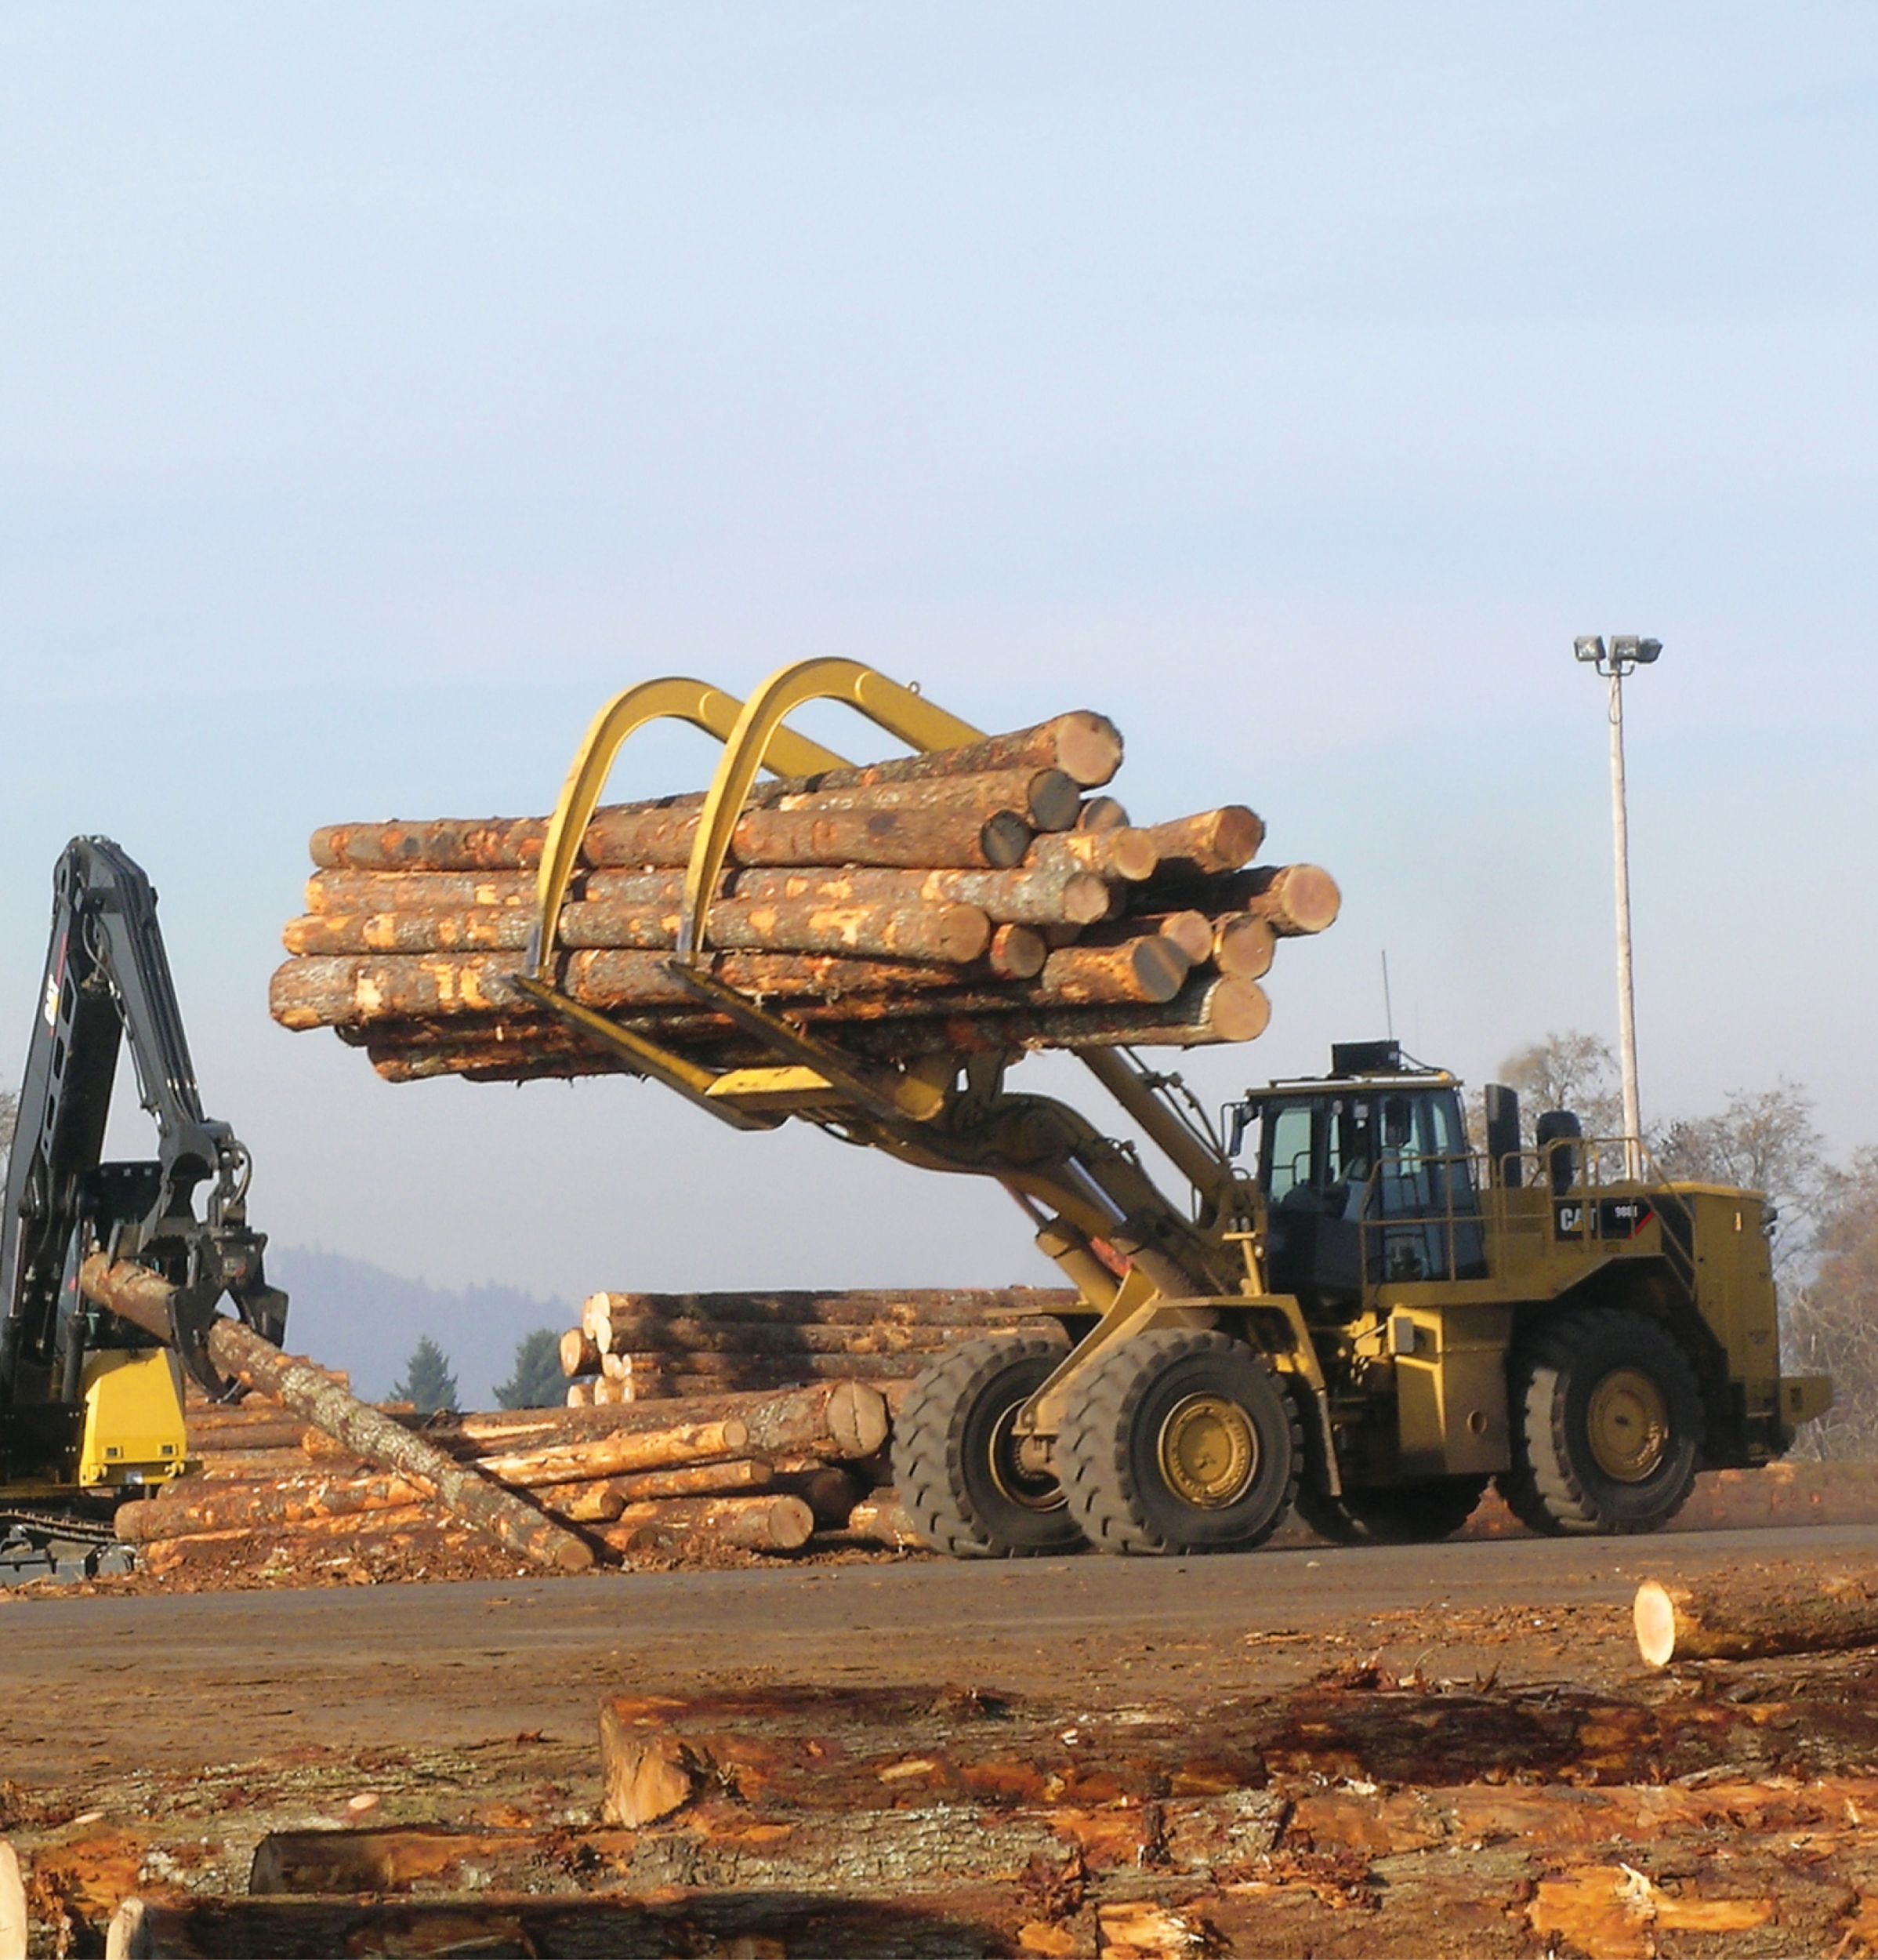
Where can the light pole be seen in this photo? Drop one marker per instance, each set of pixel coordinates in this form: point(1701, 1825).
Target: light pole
point(1625, 652)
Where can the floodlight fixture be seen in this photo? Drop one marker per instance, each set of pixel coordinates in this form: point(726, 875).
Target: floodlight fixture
point(1624, 652)
point(1589, 646)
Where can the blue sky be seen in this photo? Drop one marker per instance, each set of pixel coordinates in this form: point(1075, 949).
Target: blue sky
point(381, 388)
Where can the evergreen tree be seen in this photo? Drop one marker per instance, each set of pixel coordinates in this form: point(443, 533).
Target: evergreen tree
point(428, 1384)
point(537, 1381)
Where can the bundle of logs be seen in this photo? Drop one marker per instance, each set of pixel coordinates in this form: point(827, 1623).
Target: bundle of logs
point(730, 1473)
point(640, 1347)
point(973, 897)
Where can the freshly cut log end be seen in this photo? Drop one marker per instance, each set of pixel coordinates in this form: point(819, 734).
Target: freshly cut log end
point(1101, 813)
point(1297, 899)
point(1017, 952)
point(1750, 1619)
point(579, 1354)
point(1191, 932)
point(1653, 1614)
point(1243, 947)
point(765, 1523)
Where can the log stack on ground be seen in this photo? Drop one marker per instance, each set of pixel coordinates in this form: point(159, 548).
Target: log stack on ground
point(977, 897)
point(726, 1472)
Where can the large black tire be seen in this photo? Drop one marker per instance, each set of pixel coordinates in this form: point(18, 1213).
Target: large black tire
point(1180, 1442)
point(1422, 1512)
point(1607, 1425)
point(955, 1463)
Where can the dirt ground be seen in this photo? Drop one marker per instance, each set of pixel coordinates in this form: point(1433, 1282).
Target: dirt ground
point(151, 1742)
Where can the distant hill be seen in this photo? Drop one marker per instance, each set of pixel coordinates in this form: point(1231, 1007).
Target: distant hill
point(347, 1314)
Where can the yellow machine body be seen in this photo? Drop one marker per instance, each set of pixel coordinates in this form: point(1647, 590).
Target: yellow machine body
point(133, 1431)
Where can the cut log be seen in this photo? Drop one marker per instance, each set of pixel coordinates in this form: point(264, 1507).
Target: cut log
point(1204, 1012)
point(1146, 967)
point(630, 1332)
point(1101, 813)
point(599, 1502)
point(733, 1922)
point(680, 1443)
point(182, 1509)
point(1046, 798)
point(830, 1490)
point(944, 1307)
point(759, 1523)
point(1191, 932)
point(1213, 841)
point(1243, 946)
point(1016, 952)
point(411, 1532)
point(579, 1353)
point(1749, 1619)
point(736, 1477)
point(141, 1297)
point(580, 1395)
point(1125, 854)
point(881, 1518)
point(1294, 899)
point(732, 1368)
point(955, 933)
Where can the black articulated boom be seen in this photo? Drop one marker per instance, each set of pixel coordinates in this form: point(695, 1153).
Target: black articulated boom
point(89, 1405)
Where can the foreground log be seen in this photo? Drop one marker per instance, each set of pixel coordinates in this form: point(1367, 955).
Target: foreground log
point(182, 1509)
point(1750, 1619)
point(735, 1921)
point(765, 1523)
point(141, 1297)
point(404, 1537)
point(881, 1518)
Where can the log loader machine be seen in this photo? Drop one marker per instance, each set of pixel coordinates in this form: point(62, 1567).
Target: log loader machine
point(1363, 1316)
point(91, 1407)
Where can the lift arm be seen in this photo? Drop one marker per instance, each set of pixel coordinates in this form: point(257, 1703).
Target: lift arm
point(108, 982)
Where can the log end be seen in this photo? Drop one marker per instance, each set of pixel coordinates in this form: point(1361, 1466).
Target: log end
point(1089, 747)
point(1653, 1613)
point(962, 932)
point(1131, 855)
point(857, 1418)
point(1243, 947)
point(1238, 1010)
point(1017, 952)
point(1005, 839)
point(1098, 813)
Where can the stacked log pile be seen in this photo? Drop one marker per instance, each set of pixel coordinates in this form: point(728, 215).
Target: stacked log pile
point(728, 1473)
point(978, 897)
point(638, 1346)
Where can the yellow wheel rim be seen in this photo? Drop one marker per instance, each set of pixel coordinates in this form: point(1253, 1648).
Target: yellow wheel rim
point(1628, 1425)
point(1208, 1451)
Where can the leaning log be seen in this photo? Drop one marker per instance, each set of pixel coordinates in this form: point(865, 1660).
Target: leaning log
point(1749, 1618)
point(141, 1297)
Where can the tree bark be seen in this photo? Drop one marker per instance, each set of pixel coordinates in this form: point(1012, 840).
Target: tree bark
point(629, 1331)
point(881, 1518)
point(764, 1522)
point(945, 1307)
point(955, 933)
point(238, 1351)
point(1212, 841)
point(1295, 900)
point(681, 1443)
point(1127, 855)
point(1205, 1012)
point(184, 1507)
point(1145, 967)
point(1747, 1619)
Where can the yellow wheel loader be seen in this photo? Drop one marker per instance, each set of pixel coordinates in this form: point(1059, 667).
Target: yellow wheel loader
point(1347, 1307)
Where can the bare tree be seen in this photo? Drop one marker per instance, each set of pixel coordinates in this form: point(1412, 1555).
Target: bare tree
point(1568, 1071)
point(1762, 1140)
point(1830, 1324)
point(10, 1112)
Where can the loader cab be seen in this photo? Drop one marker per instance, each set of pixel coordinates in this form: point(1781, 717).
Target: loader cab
point(1367, 1178)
